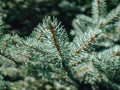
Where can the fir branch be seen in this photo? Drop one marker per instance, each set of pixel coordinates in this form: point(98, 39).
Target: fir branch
point(103, 8)
point(47, 53)
point(96, 10)
point(84, 44)
point(21, 42)
point(10, 58)
point(4, 43)
point(37, 33)
point(75, 62)
point(115, 53)
point(85, 18)
point(58, 41)
point(1, 26)
point(111, 15)
point(51, 28)
point(82, 69)
point(33, 48)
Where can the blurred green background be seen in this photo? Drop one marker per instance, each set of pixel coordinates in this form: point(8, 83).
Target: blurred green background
point(21, 16)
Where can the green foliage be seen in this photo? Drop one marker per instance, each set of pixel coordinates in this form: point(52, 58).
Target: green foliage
point(47, 60)
point(23, 15)
point(107, 22)
point(1, 25)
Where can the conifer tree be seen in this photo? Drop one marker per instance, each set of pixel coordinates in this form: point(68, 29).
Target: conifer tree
point(48, 60)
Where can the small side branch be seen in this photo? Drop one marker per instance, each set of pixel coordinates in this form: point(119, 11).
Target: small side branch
point(115, 53)
point(10, 58)
point(84, 45)
point(29, 46)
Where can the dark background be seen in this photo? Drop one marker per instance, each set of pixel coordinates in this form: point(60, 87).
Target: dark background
point(21, 16)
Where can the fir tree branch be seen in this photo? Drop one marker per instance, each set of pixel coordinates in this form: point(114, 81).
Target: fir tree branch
point(4, 43)
point(37, 33)
point(84, 45)
point(24, 43)
point(80, 70)
point(96, 10)
point(10, 58)
point(1, 25)
point(85, 18)
point(51, 28)
point(39, 36)
point(31, 47)
point(115, 53)
point(111, 15)
point(75, 62)
point(51, 57)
